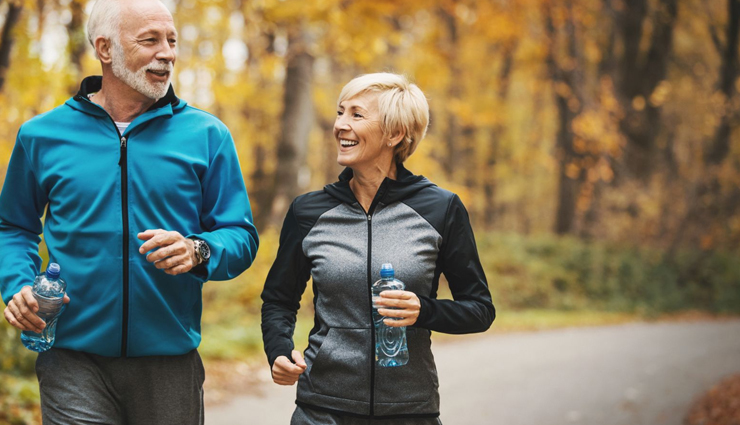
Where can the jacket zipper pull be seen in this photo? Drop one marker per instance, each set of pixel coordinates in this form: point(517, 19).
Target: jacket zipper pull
point(123, 146)
point(369, 217)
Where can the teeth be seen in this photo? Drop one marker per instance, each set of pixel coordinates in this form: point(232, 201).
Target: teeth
point(348, 143)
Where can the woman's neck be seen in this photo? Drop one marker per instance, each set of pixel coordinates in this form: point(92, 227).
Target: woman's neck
point(366, 182)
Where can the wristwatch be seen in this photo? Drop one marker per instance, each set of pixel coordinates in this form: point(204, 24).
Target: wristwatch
point(202, 250)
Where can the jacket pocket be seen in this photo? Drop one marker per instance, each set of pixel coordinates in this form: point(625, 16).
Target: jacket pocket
point(414, 382)
point(342, 365)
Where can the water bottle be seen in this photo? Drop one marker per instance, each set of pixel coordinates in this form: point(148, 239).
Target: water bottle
point(48, 289)
point(390, 342)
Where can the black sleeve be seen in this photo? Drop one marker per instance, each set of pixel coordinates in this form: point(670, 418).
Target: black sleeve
point(472, 309)
point(281, 296)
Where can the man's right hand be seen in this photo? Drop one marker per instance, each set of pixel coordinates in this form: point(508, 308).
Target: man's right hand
point(21, 311)
point(285, 372)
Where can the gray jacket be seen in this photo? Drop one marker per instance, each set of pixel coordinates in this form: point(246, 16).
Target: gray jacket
point(424, 231)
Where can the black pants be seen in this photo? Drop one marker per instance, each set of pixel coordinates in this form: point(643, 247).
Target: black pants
point(303, 416)
point(82, 388)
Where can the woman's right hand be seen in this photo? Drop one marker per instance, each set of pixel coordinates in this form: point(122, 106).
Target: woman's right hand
point(285, 372)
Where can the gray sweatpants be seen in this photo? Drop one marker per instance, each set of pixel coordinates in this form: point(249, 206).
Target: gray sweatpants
point(82, 388)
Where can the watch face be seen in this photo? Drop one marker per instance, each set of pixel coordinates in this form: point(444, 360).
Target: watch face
point(204, 250)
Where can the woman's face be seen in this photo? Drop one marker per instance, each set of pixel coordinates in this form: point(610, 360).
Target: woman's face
point(358, 134)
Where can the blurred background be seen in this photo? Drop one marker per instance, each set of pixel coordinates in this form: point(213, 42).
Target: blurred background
point(593, 142)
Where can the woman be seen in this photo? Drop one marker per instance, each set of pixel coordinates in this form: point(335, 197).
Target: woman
point(378, 212)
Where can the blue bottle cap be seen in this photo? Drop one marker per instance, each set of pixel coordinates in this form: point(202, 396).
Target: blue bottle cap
point(53, 271)
point(386, 270)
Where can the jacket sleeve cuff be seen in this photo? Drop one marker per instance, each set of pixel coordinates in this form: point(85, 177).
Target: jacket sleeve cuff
point(271, 359)
point(424, 312)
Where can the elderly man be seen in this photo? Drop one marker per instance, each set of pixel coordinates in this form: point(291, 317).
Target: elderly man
point(144, 201)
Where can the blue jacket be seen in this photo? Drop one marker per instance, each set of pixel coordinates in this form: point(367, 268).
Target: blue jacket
point(175, 168)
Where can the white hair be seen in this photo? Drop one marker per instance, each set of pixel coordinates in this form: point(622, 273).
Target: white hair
point(104, 22)
point(402, 107)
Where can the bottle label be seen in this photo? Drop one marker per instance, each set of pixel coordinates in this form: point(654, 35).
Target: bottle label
point(48, 307)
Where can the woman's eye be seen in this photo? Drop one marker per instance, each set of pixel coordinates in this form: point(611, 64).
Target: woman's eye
point(356, 115)
point(340, 113)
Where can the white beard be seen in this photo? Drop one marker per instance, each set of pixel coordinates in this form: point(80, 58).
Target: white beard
point(137, 79)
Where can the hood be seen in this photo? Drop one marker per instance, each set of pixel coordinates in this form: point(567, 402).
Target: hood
point(390, 191)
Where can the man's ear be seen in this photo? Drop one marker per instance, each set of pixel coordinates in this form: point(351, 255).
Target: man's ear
point(103, 48)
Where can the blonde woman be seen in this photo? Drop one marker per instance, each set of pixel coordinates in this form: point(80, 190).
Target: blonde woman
point(378, 212)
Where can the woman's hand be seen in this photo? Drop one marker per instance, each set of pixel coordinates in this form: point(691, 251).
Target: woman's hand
point(285, 372)
point(404, 307)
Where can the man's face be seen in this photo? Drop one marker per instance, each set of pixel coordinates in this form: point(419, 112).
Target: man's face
point(145, 53)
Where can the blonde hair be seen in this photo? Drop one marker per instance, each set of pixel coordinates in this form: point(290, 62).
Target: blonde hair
point(402, 107)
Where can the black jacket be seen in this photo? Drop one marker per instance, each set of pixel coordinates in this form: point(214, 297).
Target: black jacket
point(423, 231)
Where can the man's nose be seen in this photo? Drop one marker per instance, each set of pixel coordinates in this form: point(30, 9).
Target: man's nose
point(166, 52)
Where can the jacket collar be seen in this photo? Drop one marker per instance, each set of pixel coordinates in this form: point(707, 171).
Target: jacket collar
point(390, 191)
point(93, 84)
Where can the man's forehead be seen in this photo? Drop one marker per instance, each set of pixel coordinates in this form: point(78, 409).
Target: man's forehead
point(143, 16)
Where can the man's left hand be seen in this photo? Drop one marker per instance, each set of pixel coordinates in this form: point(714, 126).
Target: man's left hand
point(402, 307)
point(173, 253)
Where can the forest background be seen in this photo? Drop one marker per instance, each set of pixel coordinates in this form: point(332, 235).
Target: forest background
point(594, 142)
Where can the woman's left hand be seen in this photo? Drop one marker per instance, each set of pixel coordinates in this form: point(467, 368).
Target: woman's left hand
point(403, 308)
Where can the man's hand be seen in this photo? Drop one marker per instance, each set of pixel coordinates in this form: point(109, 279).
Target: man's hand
point(284, 372)
point(21, 311)
point(404, 307)
point(174, 253)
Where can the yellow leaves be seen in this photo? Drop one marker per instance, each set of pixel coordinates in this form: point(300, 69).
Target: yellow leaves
point(638, 103)
point(572, 170)
point(660, 94)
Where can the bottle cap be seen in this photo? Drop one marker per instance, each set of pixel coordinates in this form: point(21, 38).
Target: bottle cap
point(386, 270)
point(53, 271)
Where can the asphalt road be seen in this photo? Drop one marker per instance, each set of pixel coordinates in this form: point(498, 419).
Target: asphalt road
point(634, 374)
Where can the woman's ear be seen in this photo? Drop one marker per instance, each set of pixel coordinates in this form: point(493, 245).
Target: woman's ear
point(396, 138)
point(103, 48)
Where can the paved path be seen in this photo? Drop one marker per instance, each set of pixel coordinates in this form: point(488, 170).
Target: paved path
point(634, 374)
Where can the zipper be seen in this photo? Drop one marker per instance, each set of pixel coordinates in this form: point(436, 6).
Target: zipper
point(370, 297)
point(378, 196)
point(123, 163)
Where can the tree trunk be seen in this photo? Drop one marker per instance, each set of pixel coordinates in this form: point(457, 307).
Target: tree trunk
point(707, 207)
point(77, 40)
point(720, 146)
point(296, 122)
point(6, 39)
point(449, 159)
point(497, 132)
point(638, 78)
point(567, 84)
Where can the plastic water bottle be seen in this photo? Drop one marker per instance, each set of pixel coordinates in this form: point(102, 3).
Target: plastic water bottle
point(390, 342)
point(48, 289)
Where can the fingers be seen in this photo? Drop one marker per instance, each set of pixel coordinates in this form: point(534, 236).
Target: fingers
point(148, 234)
point(284, 372)
point(21, 311)
point(157, 238)
point(401, 307)
point(173, 253)
point(298, 359)
point(65, 300)
point(28, 299)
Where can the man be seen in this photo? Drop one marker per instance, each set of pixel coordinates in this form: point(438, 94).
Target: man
point(144, 201)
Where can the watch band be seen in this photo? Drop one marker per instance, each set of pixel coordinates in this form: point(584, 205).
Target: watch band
point(202, 250)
